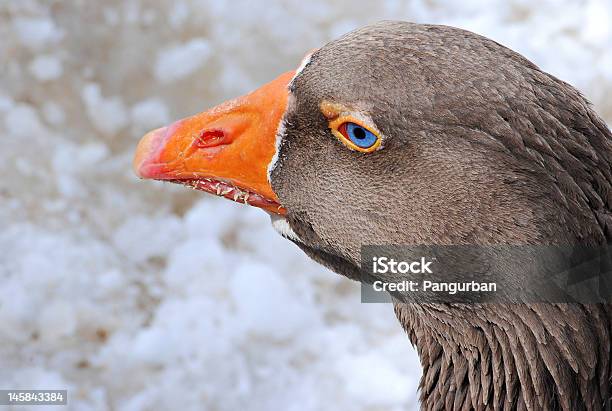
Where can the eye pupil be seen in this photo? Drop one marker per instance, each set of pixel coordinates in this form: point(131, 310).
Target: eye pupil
point(359, 133)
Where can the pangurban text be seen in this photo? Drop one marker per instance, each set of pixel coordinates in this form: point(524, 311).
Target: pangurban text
point(435, 286)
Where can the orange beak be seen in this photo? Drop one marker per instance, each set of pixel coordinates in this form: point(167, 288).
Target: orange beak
point(224, 151)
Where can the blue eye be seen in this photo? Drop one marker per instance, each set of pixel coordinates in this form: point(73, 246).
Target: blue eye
point(358, 135)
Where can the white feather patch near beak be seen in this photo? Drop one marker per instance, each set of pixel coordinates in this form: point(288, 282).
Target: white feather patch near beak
point(282, 227)
point(281, 126)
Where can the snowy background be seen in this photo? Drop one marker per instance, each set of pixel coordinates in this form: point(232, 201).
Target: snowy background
point(136, 295)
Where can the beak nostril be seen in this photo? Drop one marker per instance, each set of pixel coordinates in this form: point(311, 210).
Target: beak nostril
point(210, 138)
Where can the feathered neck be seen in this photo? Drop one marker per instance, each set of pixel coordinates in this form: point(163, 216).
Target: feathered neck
point(512, 356)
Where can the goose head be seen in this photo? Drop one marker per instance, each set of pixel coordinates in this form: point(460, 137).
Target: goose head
point(400, 133)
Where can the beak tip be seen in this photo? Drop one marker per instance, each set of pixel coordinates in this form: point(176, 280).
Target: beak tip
point(136, 169)
point(139, 167)
point(147, 152)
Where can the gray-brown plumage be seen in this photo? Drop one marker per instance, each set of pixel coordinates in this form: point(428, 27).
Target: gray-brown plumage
point(480, 147)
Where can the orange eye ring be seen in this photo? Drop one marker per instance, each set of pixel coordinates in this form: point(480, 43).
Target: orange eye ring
point(354, 134)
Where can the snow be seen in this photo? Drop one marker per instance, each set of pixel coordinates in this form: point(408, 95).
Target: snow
point(56, 321)
point(598, 18)
point(179, 14)
point(139, 295)
point(5, 103)
point(46, 68)
point(108, 114)
point(149, 114)
point(373, 381)
point(179, 61)
point(36, 32)
point(22, 120)
point(53, 113)
point(265, 303)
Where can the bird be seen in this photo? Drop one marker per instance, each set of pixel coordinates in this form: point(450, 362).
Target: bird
point(406, 133)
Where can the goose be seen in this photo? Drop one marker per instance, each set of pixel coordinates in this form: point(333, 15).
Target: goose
point(403, 133)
